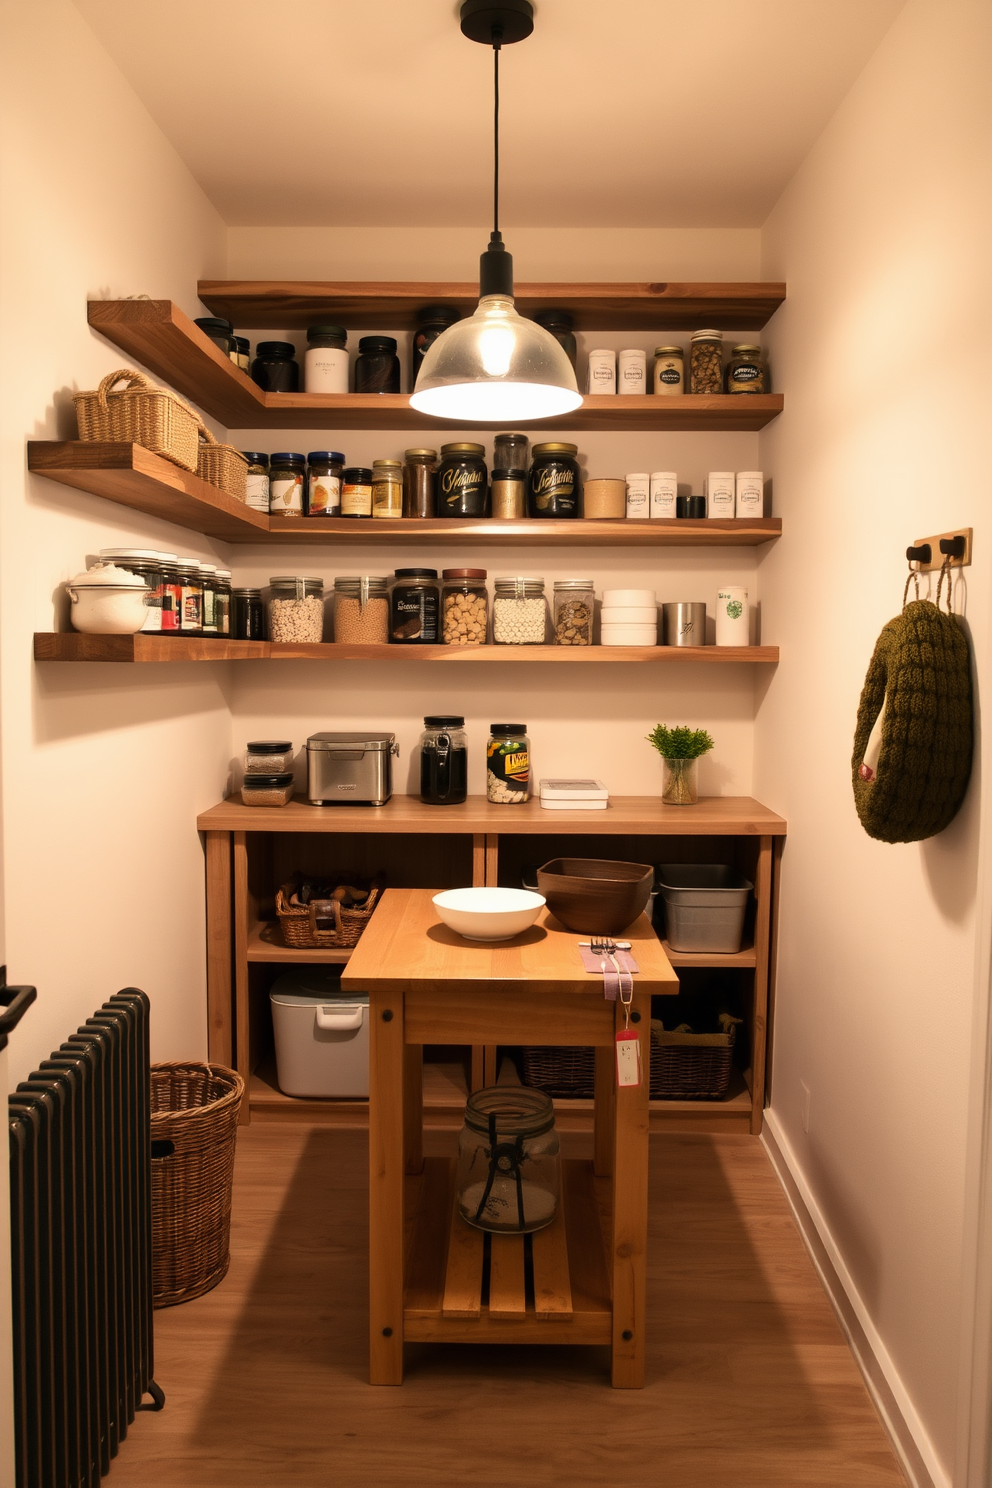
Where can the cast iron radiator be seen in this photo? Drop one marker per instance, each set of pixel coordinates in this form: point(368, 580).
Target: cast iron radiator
point(80, 1173)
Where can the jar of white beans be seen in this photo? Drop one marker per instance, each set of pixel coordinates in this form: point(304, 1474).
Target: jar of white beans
point(520, 612)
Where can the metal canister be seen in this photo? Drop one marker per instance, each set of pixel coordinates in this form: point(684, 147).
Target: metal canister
point(509, 493)
point(684, 624)
point(462, 484)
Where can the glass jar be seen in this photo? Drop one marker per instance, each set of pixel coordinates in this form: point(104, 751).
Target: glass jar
point(462, 481)
point(574, 608)
point(248, 620)
point(560, 324)
point(267, 790)
point(361, 610)
point(222, 602)
point(554, 489)
point(325, 473)
point(431, 323)
point(242, 353)
point(172, 598)
point(419, 482)
point(356, 492)
point(509, 1169)
point(191, 601)
point(443, 761)
point(520, 612)
point(325, 362)
point(387, 489)
point(508, 764)
point(510, 452)
point(257, 481)
point(416, 601)
point(464, 607)
point(669, 371)
point(287, 478)
point(296, 609)
point(208, 581)
point(146, 564)
point(275, 368)
point(268, 756)
point(377, 367)
point(508, 494)
point(221, 333)
point(706, 362)
point(746, 372)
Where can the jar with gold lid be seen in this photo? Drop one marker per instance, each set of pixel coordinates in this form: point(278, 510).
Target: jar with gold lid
point(746, 372)
point(387, 489)
point(554, 481)
point(462, 485)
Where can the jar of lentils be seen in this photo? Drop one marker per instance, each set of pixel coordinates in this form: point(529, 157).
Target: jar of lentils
point(520, 612)
point(706, 362)
point(361, 610)
point(574, 606)
point(296, 609)
point(464, 607)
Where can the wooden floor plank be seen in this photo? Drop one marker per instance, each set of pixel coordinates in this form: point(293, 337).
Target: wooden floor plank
point(463, 1274)
point(552, 1286)
point(507, 1293)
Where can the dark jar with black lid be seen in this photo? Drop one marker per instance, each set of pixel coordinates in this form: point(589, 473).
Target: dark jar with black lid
point(249, 615)
point(462, 481)
point(275, 368)
point(221, 333)
point(553, 488)
point(432, 322)
point(414, 608)
point(443, 761)
point(560, 325)
point(377, 367)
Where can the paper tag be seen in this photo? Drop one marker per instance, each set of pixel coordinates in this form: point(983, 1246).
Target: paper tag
point(628, 1059)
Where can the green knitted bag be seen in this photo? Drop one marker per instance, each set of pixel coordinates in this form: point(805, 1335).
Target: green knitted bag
point(920, 673)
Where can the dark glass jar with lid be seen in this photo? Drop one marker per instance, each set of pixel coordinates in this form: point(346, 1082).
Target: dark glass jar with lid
point(242, 353)
point(377, 368)
point(746, 372)
point(222, 602)
point(275, 368)
point(356, 492)
point(221, 333)
point(416, 601)
point(419, 482)
point(325, 474)
point(560, 324)
point(208, 604)
point(553, 489)
point(510, 452)
point(248, 620)
point(287, 480)
point(443, 761)
point(432, 321)
point(462, 481)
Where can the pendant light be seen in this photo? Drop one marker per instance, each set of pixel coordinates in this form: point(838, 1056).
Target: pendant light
point(496, 366)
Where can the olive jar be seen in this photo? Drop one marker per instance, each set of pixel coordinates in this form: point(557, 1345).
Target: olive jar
point(508, 764)
point(462, 481)
point(377, 367)
point(257, 481)
point(275, 368)
point(287, 479)
point(414, 608)
point(325, 474)
point(553, 490)
point(509, 1168)
point(464, 607)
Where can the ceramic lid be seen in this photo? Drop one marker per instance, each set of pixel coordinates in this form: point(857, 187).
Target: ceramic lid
point(107, 576)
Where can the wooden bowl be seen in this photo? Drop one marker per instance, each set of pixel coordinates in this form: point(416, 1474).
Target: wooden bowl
point(594, 896)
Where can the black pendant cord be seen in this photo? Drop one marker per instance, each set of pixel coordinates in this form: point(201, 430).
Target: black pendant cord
point(497, 41)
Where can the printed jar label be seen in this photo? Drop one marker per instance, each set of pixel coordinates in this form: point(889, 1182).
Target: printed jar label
point(510, 762)
point(192, 609)
point(356, 501)
point(325, 495)
point(553, 488)
point(671, 376)
point(286, 495)
point(743, 379)
point(257, 492)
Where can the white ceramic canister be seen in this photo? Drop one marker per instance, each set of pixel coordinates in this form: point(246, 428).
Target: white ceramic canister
point(638, 494)
point(602, 374)
point(107, 600)
point(732, 616)
point(664, 491)
point(627, 599)
point(325, 365)
point(750, 493)
point(721, 493)
point(632, 371)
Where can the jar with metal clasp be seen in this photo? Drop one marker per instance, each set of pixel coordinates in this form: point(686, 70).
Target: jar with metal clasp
point(509, 1169)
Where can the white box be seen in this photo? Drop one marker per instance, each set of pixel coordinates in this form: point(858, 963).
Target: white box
point(750, 493)
point(627, 598)
point(321, 1035)
point(574, 795)
point(664, 492)
point(638, 495)
point(721, 495)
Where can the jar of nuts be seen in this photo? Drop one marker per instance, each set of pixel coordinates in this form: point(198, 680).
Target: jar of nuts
point(361, 610)
point(706, 362)
point(464, 607)
point(296, 609)
point(520, 612)
point(574, 606)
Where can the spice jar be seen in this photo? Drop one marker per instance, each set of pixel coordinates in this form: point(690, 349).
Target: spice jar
point(508, 764)
point(415, 605)
point(267, 790)
point(560, 325)
point(462, 481)
point(443, 761)
point(574, 607)
point(208, 611)
point(431, 323)
point(147, 565)
point(222, 602)
point(746, 372)
point(248, 622)
point(172, 597)
point(275, 368)
point(520, 612)
point(377, 368)
point(706, 362)
point(387, 489)
point(242, 353)
point(508, 494)
point(287, 474)
point(419, 481)
point(257, 481)
point(191, 597)
point(669, 371)
point(464, 607)
point(221, 333)
point(325, 362)
point(510, 452)
point(296, 609)
point(356, 492)
point(325, 471)
point(361, 610)
point(509, 1169)
point(268, 756)
point(554, 481)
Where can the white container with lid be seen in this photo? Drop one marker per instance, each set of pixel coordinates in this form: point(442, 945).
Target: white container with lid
point(632, 371)
point(664, 492)
point(321, 1035)
point(750, 493)
point(733, 619)
point(602, 373)
point(107, 600)
point(721, 493)
point(638, 495)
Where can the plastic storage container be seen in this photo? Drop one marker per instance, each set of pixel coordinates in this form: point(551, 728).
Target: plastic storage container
point(705, 904)
point(321, 1034)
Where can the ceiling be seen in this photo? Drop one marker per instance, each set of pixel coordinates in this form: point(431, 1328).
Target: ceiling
point(638, 113)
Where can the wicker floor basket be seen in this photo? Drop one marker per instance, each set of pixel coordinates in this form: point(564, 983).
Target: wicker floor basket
point(684, 1066)
point(194, 1129)
point(222, 465)
point(324, 924)
point(140, 413)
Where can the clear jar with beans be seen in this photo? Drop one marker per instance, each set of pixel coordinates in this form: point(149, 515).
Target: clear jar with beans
point(574, 606)
point(706, 362)
point(520, 612)
point(464, 607)
point(296, 609)
point(361, 610)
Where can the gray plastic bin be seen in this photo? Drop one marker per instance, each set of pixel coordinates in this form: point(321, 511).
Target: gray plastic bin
point(705, 904)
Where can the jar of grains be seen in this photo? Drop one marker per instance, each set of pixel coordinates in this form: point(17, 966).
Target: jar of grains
point(257, 481)
point(296, 609)
point(287, 477)
point(387, 489)
point(464, 607)
point(669, 371)
point(415, 604)
point(248, 620)
point(706, 362)
point(361, 610)
point(267, 790)
point(419, 479)
point(508, 764)
point(574, 606)
point(520, 612)
point(268, 756)
point(746, 372)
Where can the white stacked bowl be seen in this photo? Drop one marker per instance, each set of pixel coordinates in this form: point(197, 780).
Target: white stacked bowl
point(629, 617)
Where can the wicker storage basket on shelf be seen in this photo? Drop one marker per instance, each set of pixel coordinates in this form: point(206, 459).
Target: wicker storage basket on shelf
point(222, 465)
point(342, 928)
point(140, 413)
point(684, 1066)
point(194, 1129)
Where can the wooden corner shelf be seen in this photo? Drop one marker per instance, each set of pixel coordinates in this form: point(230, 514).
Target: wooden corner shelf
point(265, 943)
point(746, 956)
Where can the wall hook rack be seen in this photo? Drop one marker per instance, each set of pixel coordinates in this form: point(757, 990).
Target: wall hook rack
point(952, 548)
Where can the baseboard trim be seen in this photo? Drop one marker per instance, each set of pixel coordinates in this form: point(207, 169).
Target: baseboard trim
point(910, 1441)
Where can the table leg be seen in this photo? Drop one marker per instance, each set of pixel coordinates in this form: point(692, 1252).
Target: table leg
point(630, 1211)
point(413, 1107)
point(604, 1110)
point(387, 1108)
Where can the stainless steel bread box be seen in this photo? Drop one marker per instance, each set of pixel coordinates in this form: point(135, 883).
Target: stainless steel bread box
point(345, 768)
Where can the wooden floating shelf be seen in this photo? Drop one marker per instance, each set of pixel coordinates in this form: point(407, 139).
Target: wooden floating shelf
point(51, 646)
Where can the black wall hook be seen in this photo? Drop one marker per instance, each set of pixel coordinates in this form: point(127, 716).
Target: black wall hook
point(921, 554)
point(953, 547)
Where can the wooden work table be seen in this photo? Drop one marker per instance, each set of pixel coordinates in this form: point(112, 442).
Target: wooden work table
point(427, 984)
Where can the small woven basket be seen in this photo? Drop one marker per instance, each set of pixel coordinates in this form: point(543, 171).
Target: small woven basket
point(140, 413)
point(222, 465)
point(194, 1130)
point(684, 1066)
point(565, 1073)
point(342, 928)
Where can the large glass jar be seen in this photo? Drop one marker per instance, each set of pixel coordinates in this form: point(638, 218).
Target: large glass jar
point(415, 605)
point(287, 481)
point(508, 764)
point(275, 368)
point(221, 333)
point(387, 489)
point(464, 607)
point(509, 1171)
point(462, 481)
point(432, 321)
point(746, 372)
point(443, 761)
point(325, 472)
point(706, 362)
point(146, 564)
point(361, 610)
point(377, 367)
point(325, 363)
point(296, 609)
point(554, 481)
point(419, 483)
point(248, 621)
point(520, 612)
point(574, 607)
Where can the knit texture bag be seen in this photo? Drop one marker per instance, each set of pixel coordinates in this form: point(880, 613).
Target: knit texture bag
point(920, 674)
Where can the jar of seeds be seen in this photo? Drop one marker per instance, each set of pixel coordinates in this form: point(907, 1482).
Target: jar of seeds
point(464, 607)
point(296, 609)
point(520, 612)
point(574, 606)
point(706, 362)
point(361, 610)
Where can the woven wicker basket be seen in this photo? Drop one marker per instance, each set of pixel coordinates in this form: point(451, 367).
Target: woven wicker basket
point(140, 413)
point(301, 927)
point(684, 1066)
point(222, 465)
point(194, 1129)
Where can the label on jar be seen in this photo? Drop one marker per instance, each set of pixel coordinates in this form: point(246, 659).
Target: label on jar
point(509, 761)
point(720, 494)
point(325, 496)
point(463, 486)
point(209, 610)
point(602, 374)
point(257, 492)
point(668, 376)
point(387, 498)
point(286, 495)
point(356, 500)
point(172, 604)
point(553, 489)
point(664, 491)
point(744, 379)
point(638, 497)
point(415, 614)
point(326, 369)
point(192, 609)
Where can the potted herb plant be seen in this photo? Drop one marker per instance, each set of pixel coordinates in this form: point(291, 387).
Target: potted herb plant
point(680, 749)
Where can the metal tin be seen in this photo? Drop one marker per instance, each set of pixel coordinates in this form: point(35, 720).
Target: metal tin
point(509, 494)
point(684, 624)
point(350, 767)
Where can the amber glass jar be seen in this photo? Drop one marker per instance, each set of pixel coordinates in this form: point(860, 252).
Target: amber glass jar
point(419, 483)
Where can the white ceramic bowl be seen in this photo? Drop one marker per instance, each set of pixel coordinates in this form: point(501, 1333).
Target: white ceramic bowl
point(106, 609)
point(629, 635)
point(628, 597)
point(633, 615)
point(488, 914)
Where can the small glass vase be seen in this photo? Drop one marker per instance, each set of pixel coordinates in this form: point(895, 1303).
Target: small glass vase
point(679, 787)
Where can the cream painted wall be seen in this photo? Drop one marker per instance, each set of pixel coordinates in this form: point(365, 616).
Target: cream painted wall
point(882, 348)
